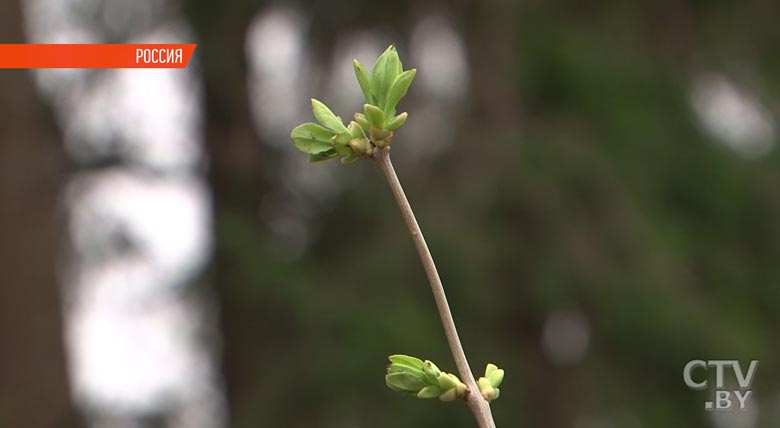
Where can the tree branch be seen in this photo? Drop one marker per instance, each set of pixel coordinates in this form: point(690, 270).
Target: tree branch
point(476, 403)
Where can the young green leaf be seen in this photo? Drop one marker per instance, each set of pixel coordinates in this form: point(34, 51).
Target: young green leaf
point(312, 138)
point(360, 118)
point(396, 122)
point(403, 368)
point(319, 157)
point(488, 391)
point(384, 73)
point(431, 372)
point(431, 391)
point(341, 138)
point(404, 382)
point(349, 158)
point(379, 135)
point(406, 360)
point(326, 117)
point(447, 381)
point(363, 80)
point(490, 368)
point(431, 366)
point(483, 383)
point(341, 147)
point(361, 146)
point(496, 377)
point(374, 115)
point(398, 90)
point(449, 395)
point(356, 130)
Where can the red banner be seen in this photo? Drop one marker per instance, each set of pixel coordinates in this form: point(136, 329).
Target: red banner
point(96, 56)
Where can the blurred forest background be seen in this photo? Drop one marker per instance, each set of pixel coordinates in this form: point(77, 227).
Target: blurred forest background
point(598, 182)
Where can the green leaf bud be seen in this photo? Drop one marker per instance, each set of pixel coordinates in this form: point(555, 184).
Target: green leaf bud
point(400, 368)
point(460, 390)
point(363, 80)
point(430, 391)
point(341, 138)
point(489, 394)
point(486, 389)
point(448, 395)
point(423, 379)
point(360, 118)
point(483, 383)
point(431, 370)
point(342, 149)
point(490, 368)
point(312, 138)
point(432, 366)
point(319, 157)
point(406, 360)
point(375, 115)
point(396, 122)
point(398, 90)
point(386, 68)
point(404, 382)
point(380, 137)
point(447, 381)
point(326, 117)
point(361, 147)
point(496, 377)
point(355, 130)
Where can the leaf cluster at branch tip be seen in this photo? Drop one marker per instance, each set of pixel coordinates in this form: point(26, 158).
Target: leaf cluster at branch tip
point(383, 89)
point(423, 379)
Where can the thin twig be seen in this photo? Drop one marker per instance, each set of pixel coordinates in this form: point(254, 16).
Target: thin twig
point(475, 401)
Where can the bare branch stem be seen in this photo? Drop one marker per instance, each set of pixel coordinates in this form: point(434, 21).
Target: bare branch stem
point(476, 403)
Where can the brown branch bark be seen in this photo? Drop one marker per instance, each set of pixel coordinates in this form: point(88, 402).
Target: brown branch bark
point(476, 403)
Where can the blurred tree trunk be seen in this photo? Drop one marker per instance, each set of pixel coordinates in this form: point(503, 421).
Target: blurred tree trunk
point(236, 179)
point(33, 381)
